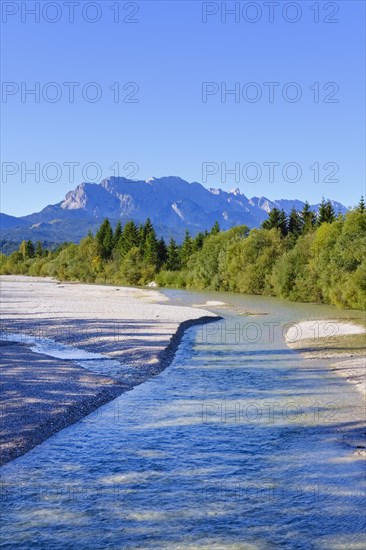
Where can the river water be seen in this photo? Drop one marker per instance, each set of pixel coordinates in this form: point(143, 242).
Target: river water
point(236, 445)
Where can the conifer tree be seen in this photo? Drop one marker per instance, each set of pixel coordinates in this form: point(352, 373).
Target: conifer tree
point(39, 249)
point(117, 234)
point(129, 238)
point(162, 252)
point(173, 259)
point(361, 206)
point(215, 228)
point(104, 238)
point(295, 222)
point(150, 244)
point(308, 218)
point(186, 249)
point(198, 241)
point(276, 219)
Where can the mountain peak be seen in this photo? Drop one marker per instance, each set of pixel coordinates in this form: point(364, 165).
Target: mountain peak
point(172, 203)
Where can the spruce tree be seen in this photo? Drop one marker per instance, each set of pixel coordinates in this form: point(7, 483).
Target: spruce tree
point(325, 212)
point(162, 252)
point(129, 238)
point(186, 249)
point(308, 218)
point(361, 206)
point(150, 244)
point(295, 222)
point(276, 219)
point(173, 259)
point(39, 249)
point(117, 234)
point(215, 228)
point(330, 212)
point(104, 238)
point(198, 241)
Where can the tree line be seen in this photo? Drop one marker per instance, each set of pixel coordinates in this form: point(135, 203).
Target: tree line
point(304, 256)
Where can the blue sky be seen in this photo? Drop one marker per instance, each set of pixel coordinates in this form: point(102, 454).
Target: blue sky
point(167, 54)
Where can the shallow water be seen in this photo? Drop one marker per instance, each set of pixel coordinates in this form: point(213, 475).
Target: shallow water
point(93, 362)
point(238, 444)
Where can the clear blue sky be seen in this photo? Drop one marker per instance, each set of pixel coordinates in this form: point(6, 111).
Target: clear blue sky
point(169, 52)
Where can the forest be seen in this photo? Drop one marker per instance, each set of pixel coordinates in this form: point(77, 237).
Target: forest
point(302, 256)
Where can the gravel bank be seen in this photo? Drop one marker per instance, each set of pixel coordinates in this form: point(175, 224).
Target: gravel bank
point(332, 339)
point(41, 395)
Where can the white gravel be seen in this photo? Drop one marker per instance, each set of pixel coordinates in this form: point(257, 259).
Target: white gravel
point(129, 324)
point(307, 330)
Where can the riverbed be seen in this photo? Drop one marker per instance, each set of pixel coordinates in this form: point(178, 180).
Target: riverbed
point(240, 443)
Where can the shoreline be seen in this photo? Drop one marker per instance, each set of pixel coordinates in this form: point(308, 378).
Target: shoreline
point(341, 343)
point(44, 394)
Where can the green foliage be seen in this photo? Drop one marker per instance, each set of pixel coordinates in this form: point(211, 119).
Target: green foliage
point(303, 258)
point(215, 228)
point(295, 223)
point(105, 241)
point(186, 250)
point(326, 212)
point(308, 218)
point(173, 257)
point(277, 219)
point(128, 240)
point(117, 234)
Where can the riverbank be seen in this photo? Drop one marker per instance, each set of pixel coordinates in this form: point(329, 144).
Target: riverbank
point(332, 339)
point(40, 394)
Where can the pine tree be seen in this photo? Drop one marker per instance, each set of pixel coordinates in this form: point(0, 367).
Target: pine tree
point(117, 234)
point(186, 249)
point(215, 228)
point(361, 206)
point(150, 244)
point(330, 212)
point(129, 238)
point(104, 238)
point(198, 242)
point(308, 218)
point(39, 249)
point(283, 223)
point(162, 252)
point(295, 222)
point(325, 212)
point(173, 259)
point(276, 219)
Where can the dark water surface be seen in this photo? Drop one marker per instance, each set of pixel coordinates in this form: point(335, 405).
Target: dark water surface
point(237, 445)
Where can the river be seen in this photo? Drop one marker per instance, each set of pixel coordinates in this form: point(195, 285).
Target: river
point(236, 445)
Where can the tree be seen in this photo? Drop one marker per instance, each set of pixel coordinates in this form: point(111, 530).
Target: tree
point(361, 206)
point(150, 244)
point(39, 249)
point(117, 234)
point(27, 249)
point(129, 239)
point(308, 218)
point(186, 249)
point(215, 228)
point(198, 241)
point(326, 212)
point(295, 222)
point(173, 259)
point(276, 220)
point(104, 238)
point(162, 252)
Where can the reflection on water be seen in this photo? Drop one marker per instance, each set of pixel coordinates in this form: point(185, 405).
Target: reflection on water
point(237, 445)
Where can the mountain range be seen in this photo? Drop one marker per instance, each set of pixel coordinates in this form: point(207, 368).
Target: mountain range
point(172, 204)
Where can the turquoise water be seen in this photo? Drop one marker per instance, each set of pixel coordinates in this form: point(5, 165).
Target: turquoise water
point(237, 445)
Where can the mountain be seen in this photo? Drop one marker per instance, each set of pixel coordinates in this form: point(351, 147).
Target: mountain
point(172, 204)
